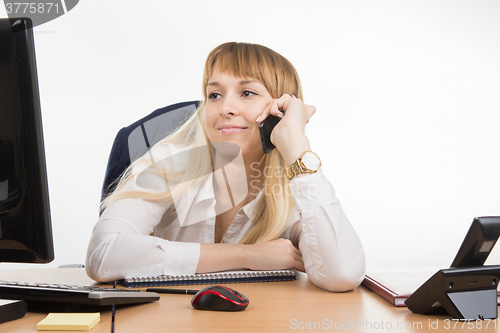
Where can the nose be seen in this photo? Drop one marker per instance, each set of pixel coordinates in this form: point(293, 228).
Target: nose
point(228, 107)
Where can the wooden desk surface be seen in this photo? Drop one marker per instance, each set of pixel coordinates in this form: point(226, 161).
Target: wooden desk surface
point(274, 307)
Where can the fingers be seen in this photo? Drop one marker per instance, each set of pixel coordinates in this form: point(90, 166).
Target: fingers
point(273, 109)
point(277, 254)
point(283, 102)
point(297, 252)
point(296, 255)
point(278, 106)
point(299, 263)
point(300, 111)
point(293, 96)
point(300, 266)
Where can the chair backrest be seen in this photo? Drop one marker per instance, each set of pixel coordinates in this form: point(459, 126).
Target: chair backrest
point(135, 140)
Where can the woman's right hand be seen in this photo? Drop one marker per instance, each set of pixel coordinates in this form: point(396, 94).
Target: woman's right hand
point(274, 255)
point(289, 135)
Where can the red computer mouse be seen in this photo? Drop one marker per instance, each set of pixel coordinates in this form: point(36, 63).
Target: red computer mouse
point(219, 298)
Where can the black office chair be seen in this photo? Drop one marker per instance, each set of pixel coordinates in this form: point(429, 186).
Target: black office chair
point(135, 140)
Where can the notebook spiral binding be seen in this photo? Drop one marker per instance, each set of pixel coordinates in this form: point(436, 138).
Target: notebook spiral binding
point(210, 278)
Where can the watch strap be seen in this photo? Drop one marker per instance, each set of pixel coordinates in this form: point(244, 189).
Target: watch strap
point(294, 169)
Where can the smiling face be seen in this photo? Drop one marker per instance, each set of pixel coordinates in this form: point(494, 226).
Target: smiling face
point(233, 104)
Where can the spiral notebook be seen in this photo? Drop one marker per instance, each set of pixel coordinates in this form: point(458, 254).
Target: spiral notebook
point(210, 278)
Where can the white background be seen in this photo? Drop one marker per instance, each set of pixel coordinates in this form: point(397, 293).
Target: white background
point(407, 94)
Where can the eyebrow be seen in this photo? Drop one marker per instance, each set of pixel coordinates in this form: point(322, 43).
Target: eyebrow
point(242, 82)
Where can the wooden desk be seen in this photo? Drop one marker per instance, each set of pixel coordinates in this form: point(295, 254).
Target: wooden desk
point(274, 307)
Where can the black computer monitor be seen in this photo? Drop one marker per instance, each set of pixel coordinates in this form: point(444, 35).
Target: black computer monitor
point(25, 225)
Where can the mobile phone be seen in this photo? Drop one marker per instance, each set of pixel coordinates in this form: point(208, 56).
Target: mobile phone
point(265, 129)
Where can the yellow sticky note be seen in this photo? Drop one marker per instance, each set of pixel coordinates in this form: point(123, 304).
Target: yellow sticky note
point(69, 322)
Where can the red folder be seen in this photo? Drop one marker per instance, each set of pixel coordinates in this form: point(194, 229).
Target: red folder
point(393, 297)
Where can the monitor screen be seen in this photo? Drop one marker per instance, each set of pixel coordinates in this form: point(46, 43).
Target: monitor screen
point(25, 226)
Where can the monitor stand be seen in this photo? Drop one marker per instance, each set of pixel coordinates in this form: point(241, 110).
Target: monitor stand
point(11, 309)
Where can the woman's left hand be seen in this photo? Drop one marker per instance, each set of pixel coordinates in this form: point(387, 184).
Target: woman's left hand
point(288, 136)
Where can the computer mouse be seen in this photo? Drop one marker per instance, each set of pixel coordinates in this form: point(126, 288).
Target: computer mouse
point(219, 298)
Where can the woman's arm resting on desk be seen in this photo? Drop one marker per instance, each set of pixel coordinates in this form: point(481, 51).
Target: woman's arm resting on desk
point(126, 254)
point(121, 247)
point(116, 250)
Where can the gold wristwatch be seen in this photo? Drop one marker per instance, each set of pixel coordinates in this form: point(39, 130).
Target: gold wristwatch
point(308, 162)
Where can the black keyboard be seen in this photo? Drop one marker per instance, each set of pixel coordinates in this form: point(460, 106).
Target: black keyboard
point(73, 294)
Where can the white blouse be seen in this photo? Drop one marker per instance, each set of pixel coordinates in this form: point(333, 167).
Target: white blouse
point(121, 245)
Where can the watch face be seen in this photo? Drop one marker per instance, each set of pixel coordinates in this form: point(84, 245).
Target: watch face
point(311, 161)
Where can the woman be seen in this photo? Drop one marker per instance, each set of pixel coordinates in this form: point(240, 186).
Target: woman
point(207, 198)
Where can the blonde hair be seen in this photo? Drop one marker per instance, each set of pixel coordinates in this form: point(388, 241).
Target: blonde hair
point(279, 77)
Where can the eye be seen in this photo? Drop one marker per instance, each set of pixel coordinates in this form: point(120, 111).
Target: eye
point(248, 93)
point(213, 95)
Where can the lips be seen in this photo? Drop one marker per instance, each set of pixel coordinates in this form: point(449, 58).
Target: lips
point(231, 129)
